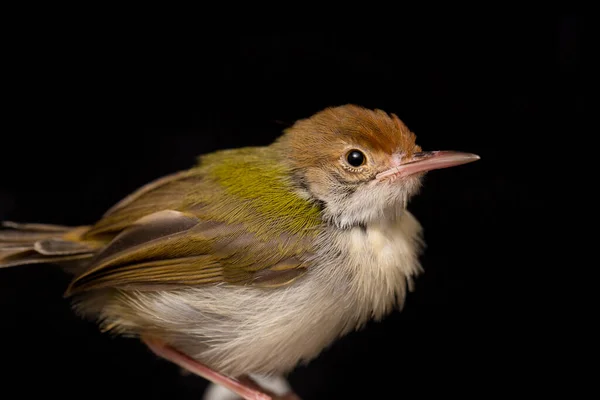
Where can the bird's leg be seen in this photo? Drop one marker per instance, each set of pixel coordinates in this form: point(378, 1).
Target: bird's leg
point(167, 352)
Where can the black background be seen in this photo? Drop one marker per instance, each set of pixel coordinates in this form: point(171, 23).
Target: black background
point(91, 119)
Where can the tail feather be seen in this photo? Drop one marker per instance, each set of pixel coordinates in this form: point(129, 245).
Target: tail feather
point(24, 243)
point(36, 227)
point(18, 236)
point(27, 258)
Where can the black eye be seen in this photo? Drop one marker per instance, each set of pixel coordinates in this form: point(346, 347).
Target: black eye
point(356, 158)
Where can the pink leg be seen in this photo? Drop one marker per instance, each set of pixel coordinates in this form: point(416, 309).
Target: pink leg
point(178, 358)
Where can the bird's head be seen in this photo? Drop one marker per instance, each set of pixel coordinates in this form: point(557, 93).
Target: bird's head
point(362, 165)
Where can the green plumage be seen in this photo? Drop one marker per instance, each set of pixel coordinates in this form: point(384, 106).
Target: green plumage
point(236, 217)
point(255, 177)
point(247, 186)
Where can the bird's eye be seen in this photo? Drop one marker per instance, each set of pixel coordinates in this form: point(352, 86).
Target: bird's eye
point(356, 158)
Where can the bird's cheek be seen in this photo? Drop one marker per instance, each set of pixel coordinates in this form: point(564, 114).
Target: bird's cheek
point(319, 183)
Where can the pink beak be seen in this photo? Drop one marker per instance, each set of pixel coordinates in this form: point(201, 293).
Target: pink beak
point(428, 161)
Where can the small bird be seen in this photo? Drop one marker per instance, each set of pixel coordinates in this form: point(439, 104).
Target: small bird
point(255, 259)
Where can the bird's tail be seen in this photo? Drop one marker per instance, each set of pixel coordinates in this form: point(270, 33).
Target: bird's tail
point(22, 244)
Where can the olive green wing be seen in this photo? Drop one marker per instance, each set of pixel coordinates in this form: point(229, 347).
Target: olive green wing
point(167, 193)
point(172, 249)
point(234, 220)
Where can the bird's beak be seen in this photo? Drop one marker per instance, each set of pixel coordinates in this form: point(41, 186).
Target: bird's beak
point(427, 161)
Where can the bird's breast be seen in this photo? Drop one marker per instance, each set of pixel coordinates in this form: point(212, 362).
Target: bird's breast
point(377, 261)
point(357, 274)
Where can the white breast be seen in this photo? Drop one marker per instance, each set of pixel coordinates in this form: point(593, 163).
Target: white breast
point(381, 260)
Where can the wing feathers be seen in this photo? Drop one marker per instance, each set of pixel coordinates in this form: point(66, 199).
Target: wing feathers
point(172, 248)
point(180, 271)
point(51, 247)
point(144, 190)
point(147, 229)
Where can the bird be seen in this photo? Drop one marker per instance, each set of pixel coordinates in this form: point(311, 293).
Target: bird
point(255, 259)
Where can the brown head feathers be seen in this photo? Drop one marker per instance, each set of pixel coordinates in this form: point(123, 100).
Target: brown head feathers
point(375, 129)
